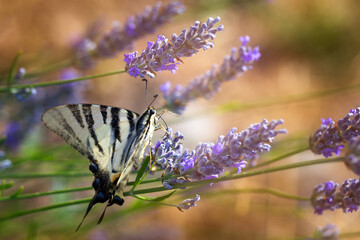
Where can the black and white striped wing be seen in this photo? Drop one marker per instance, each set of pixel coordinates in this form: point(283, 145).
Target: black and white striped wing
point(101, 133)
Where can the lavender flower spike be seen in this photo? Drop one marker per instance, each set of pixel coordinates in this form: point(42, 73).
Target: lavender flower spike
point(206, 85)
point(189, 203)
point(328, 197)
point(121, 37)
point(209, 160)
point(329, 138)
point(166, 55)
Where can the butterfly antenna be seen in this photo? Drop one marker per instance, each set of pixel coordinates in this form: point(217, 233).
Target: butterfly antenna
point(146, 83)
point(91, 204)
point(155, 96)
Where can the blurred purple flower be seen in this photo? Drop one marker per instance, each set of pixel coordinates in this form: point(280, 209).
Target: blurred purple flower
point(327, 232)
point(330, 137)
point(352, 157)
point(189, 203)
point(205, 86)
point(166, 55)
point(209, 160)
point(328, 197)
point(121, 38)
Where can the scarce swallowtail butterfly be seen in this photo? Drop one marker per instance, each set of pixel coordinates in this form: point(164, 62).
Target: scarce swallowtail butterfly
point(113, 139)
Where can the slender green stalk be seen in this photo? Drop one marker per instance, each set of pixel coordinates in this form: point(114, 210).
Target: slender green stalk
point(51, 68)
point(236, 106)
point(258, 172)
point(197, 183)
point(58, 82)
point(258, 190)
point(44, 175)
point(40, 194)
point(281, 157)
point(239, 107)
point(41, 209)
point(13, 68)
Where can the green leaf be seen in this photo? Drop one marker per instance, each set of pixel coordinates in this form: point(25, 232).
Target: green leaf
point(141, 171)
point(154, 199)
point(18, 192)
point(6, 185)
point(164, 197)
point(12, 69)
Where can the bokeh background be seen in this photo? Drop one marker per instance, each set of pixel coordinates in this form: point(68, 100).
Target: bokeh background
point(307, 46)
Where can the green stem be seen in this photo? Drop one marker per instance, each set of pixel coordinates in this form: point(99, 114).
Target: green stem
point(236, 106)
point(58, 82)
point(197, 183)
point(40, 194)
point(281, 157)
point(41, 209)
point(44, 175)
point(258, 172)
point(259, 190)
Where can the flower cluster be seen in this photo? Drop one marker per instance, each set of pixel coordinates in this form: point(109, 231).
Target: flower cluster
point(166, 55)
point(239, 61)
point(327, 197)
point(188, 203)
point(121, 37)
point(330, 137)
point(327, 232)
point(209, 160)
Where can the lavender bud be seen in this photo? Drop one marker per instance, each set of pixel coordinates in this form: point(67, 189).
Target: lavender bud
point(121, 37)
point(208, 84)
point(328, 197)
point(189, 203)
point(209, 160)
point(166, 55)
point(329, 138)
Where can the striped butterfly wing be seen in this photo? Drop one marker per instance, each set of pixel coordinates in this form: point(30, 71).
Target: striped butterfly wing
point(113, 139)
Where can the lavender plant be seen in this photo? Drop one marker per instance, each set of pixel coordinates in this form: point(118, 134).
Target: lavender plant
point(206, 85)
point(231, 157)
point(122, 37)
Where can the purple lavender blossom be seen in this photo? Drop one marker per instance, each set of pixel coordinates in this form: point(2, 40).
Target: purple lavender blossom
point(189, 203)
point(206, 85)
point(330, 137)
point(121, 38)
point(352, 158)
point(209, 160)
point(166, 55)
point(327, 232)
point(328, 197)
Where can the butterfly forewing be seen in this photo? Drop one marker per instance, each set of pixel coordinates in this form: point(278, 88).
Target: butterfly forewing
point(96, 131)
point(113, 139)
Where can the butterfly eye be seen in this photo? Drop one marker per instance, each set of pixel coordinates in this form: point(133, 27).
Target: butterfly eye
point(118, 200)
point(96, 183)
point(93, 168)
point(152, 111)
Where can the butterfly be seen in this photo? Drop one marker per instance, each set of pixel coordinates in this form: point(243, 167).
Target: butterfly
point(113, 139)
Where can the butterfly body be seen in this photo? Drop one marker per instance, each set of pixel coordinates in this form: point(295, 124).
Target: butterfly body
point(113, 139)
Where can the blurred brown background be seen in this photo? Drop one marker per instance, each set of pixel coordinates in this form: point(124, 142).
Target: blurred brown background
point(306, 46)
